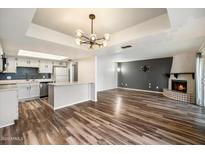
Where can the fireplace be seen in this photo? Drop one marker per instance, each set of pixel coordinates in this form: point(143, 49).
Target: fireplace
point(179, 85)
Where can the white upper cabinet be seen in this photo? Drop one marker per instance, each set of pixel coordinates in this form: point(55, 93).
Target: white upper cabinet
point(34, 63)
point(26, 62)
point(45, 66)
point(59, 63)
point(21, 62)
point(10, 65)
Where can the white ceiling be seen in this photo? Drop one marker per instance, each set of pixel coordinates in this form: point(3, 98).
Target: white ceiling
point(151, 35)
point(107, 20)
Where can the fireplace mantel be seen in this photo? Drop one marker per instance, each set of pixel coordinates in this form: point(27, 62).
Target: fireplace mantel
point(176, 74)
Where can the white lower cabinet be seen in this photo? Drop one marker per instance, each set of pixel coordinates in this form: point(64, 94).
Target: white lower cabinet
point(23, 91)
point(27, 91)
point(34, 90)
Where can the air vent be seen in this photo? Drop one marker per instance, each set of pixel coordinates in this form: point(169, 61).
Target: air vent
point(126, 46)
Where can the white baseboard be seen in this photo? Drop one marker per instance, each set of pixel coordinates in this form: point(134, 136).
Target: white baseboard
point(106, 89)
point(49, 105)
point(59, 107)
point(28, 99)
point(7, 125)
point(149, 91)
point(94, 100)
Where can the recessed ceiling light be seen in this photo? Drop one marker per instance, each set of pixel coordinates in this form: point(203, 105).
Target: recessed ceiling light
point(40, 55)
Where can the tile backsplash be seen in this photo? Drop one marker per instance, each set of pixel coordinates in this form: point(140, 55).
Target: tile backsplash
point(25, 73)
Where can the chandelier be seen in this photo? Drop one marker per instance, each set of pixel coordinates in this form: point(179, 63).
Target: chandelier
point(91, 40)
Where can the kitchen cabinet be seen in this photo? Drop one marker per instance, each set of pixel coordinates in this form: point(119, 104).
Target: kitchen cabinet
point(34, 90)
point(23, 91)
point(45, 67)
point(28, 90)
point(34, 63)
point(25, 62)
point(59, 63)
point(10, 65)
point(22, 62)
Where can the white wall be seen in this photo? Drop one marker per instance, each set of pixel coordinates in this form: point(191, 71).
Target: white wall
point(1, 49)
point(203, 80)
point(106, 73)
point(86, 70)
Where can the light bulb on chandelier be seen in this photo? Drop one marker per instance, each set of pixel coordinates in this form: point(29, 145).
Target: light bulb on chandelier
point(107, 36)
point(79, 33)
point(93, 37)
point(78, 41)
point(104, 43)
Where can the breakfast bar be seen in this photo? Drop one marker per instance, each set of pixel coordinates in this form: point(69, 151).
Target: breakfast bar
point(62, 94)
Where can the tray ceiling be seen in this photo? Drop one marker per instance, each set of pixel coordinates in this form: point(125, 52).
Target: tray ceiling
point(107, 20)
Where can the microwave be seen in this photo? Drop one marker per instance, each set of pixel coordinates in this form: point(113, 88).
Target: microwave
point(2, 64)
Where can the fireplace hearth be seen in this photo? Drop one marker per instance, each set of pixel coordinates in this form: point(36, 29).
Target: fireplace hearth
point(179, 85)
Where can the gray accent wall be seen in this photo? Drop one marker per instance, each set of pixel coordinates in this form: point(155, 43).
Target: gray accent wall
point(155, 79)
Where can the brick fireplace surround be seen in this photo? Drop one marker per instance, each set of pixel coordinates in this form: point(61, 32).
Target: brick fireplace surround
point(185, 97)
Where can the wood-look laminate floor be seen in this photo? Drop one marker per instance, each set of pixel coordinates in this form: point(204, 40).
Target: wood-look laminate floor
point(119, 117)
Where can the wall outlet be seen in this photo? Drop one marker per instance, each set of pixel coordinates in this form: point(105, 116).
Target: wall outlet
point(8, 77)
point(149, 85)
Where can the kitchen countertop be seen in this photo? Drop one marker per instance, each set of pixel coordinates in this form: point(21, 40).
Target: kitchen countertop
point(8, 88)
point(13, 82)
point(68, 83)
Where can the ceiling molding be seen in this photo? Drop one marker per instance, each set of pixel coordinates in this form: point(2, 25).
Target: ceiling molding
point(46, 34)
